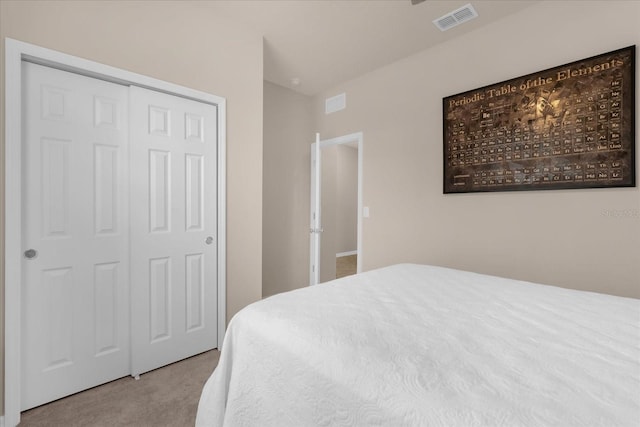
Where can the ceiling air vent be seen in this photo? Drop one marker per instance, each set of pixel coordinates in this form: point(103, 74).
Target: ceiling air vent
point(456, 17)
point(335, 103)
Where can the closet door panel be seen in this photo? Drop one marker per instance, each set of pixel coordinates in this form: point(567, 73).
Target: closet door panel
point(173, 234)
point(75, 304)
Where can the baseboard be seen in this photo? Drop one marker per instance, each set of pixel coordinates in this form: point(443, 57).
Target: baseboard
point(341, 254)
point(1, 420)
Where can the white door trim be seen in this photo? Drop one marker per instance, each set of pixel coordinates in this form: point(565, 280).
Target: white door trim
point(351, 138)
point(15, 52)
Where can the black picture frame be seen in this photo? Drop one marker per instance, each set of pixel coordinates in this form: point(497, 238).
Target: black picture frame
point(567, 127)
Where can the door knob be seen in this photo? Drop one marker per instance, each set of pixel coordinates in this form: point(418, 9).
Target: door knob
point(209, 240)
point(30, 253)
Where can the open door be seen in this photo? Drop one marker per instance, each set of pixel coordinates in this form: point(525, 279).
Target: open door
point(320, 254)
point(315, 214)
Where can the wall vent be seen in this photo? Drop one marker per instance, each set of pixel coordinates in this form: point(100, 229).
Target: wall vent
point(457, 17)
point(335, 103)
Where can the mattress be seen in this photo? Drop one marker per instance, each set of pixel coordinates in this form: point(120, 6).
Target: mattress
point(418, 345)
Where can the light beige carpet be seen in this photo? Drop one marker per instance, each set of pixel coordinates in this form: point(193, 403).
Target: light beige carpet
point(165, 397)
point(346, 265)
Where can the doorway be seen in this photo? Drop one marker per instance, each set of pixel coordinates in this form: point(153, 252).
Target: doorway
point(16, 250)
point(336, 207)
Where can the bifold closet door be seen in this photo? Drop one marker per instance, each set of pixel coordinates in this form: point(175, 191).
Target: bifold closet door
point(173, 228)
point(75, 290)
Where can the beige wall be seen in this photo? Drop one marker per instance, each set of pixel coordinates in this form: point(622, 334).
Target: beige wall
point(339, 200)
point(347, 199)
point(562, 237)
point(182, 42)
point(288, 132)
point(328, 212)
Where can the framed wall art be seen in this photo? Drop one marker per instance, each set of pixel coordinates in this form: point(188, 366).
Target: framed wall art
point(572, 126)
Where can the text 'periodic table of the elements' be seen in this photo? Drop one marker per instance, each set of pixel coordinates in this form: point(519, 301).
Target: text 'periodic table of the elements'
point(571, 126)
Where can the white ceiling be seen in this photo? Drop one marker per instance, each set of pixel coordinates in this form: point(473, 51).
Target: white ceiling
point(326, 42)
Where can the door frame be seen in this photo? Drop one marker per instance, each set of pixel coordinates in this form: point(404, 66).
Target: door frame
point(16, 52)
point(357, 138)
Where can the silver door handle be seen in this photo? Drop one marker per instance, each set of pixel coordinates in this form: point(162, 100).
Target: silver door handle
point(209, 240)
point(30, 253)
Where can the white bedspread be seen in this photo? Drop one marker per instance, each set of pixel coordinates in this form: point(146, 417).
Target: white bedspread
point(414, 345)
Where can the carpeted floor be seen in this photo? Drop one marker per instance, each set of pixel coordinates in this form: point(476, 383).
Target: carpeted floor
point(346, 265)
point(165, 397)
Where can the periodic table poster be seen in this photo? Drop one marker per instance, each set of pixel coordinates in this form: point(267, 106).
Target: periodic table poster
point(571, 126)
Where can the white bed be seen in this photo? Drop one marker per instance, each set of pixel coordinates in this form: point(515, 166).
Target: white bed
point(416, 345)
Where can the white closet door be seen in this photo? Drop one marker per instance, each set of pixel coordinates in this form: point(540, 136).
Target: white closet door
point(75, 325)
point(173, 228)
